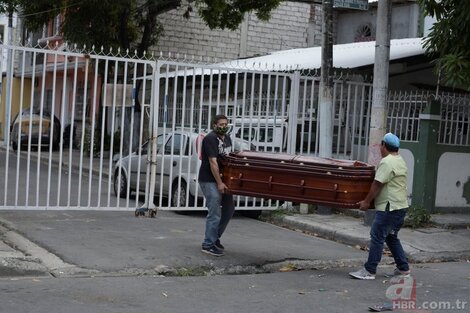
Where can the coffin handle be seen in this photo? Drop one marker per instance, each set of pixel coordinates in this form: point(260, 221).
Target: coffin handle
point(270, 186)
point(240, 179)
point(302, 186)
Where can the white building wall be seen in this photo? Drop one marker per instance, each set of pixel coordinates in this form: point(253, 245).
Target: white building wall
point(452, 175)
point(428, 23)
point(405, 23)
point(286, 29)
point(4, 36)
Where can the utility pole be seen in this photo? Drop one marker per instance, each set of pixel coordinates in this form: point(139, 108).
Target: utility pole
point(378, 122)
point(326, 83)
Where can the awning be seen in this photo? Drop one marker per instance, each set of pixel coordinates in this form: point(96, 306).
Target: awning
point(350, 55)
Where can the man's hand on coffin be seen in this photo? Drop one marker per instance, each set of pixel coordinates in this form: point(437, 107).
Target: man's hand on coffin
point(222, 187)
point(373, 192)
point(363, 205)
point(217, 175)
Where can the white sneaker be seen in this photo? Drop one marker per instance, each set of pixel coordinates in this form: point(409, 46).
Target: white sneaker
point(398, 273)
point(362, 274)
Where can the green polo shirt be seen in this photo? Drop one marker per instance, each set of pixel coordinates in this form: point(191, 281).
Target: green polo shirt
point(391, 172)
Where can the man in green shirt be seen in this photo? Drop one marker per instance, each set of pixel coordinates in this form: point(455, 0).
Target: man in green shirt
point(391, 202)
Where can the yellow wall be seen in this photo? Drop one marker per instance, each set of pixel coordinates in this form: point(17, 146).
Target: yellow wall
point(15, 99)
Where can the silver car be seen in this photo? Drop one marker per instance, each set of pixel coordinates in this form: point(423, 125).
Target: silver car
point(178, 162)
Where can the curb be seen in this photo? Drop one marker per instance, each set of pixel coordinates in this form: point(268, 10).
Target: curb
point(291, 222)
point(342, 236)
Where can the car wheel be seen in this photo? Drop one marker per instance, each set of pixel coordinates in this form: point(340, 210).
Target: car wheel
point(14, 146)
point(120, 189)
point(179, 198)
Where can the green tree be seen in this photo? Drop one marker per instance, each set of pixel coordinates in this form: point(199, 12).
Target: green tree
point(133, 24)
point(9, 7)
point(449, 39)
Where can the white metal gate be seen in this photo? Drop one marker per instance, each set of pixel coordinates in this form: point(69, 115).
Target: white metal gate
point(69, 113)
point(117, 117)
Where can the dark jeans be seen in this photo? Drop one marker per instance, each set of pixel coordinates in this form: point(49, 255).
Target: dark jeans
point(385, 228)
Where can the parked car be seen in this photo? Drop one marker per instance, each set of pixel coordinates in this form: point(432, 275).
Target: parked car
point(41, 129)
point(178, 161)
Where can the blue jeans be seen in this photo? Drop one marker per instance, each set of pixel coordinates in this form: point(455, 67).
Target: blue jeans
point(385, 228)
point(220, 208)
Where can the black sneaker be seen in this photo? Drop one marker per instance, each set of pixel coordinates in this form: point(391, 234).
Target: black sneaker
point(219, 245)
point(214, 251)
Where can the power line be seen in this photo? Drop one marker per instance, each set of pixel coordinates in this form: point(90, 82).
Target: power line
point(52, 10)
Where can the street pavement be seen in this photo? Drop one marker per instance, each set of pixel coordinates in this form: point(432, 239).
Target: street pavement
point(444, 286)
point(68, 243)
point(117, 243)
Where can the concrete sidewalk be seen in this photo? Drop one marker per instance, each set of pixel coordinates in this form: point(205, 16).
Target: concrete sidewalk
point(447, 240)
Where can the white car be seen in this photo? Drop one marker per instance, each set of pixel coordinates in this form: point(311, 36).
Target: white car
point(178, 162)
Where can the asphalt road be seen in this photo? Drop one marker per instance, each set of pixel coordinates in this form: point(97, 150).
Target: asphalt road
point(442, 286)
point(118, 242)
point(27, 183)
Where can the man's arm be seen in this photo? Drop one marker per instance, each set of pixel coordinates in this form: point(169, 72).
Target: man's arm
point(373, 192)
point(216, 173)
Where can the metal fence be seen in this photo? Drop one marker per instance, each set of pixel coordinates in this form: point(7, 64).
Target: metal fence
point(99, 131)
point(454, 127)
point(403, 109)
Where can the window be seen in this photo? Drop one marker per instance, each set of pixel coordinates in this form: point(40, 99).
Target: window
point(174, 145)
point(2, 32)
point(266, 134)
point(364, 33)
point(245, 133)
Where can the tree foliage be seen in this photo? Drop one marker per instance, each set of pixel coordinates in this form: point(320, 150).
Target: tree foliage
point(449, 39)
point(133, 24)
point(7, 6)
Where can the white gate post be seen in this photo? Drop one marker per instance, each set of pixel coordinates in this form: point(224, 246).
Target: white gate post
point(293, 112)
point(153, 130)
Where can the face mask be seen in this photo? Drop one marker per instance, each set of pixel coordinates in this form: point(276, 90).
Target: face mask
point(221, 130)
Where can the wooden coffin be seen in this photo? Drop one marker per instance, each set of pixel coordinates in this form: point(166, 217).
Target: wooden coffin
point(302, 179)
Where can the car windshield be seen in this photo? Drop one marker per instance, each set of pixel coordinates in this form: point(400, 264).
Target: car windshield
point(145, 146)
